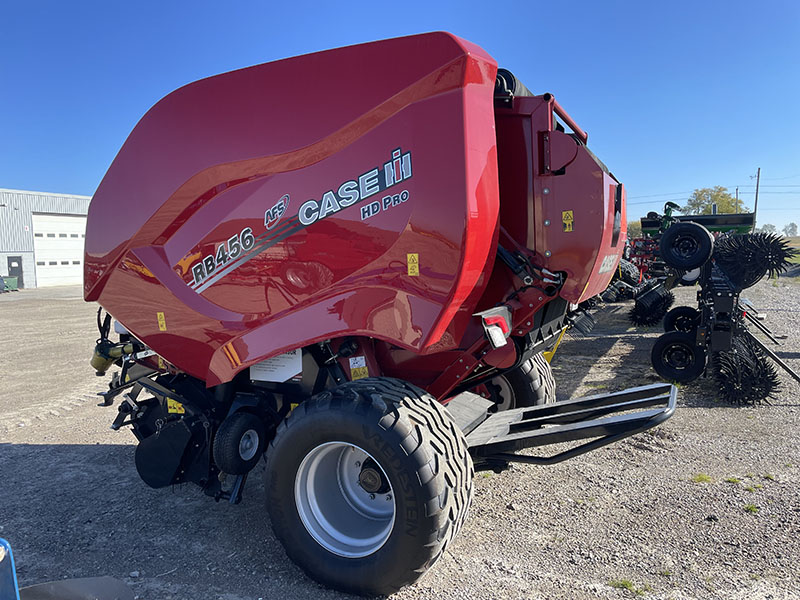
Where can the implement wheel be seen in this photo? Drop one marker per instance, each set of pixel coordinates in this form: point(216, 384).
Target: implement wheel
point(686, 246)
point(677, 357)
point(367, 485)
point(682, 318)
point(531, 384)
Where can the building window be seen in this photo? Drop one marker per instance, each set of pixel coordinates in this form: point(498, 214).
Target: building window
point(38, 235)
point(83, 235)
point(51, 235)
point(64, 262)
point(76, 262)
point(62, 235)
point(40, 263)
point(73, 235)
point(53, 262)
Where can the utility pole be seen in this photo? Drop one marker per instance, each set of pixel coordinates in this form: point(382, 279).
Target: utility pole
point(737, 199)
point(755, 208)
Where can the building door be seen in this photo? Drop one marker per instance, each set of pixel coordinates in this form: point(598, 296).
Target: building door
point(15, 269)
point(58, 249)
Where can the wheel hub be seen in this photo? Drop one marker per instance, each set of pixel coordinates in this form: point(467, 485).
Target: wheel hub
point(678, 357)
point(248, 444)
point(371, 478)
point(685, 247)
point(344, 499)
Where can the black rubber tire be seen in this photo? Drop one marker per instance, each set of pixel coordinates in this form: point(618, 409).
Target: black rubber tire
point(530, 384)
point(682, 318)
point(610, 294)
point(546, 375)
point(627, 272)
point(677, 357)
point(424, 456)
point(225, 448)
point(686, 245)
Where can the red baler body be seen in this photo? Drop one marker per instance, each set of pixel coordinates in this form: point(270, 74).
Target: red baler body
point(369, 180)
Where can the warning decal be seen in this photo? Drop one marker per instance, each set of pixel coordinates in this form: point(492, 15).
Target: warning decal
point(162, 321)
point(413, 264)
point(175, 407)
point(567, 219)
point(358, 368)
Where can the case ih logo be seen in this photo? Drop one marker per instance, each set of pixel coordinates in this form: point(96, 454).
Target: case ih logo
point(398, 168)
point(359, 188)
point(274, 214)
point(234, 252)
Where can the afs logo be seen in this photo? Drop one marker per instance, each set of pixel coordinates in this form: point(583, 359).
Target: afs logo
point(274, 214)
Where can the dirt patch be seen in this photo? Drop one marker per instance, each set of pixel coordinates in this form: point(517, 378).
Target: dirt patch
point(704, 506)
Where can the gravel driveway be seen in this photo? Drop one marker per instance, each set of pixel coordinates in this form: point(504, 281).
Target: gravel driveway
point(704, 506)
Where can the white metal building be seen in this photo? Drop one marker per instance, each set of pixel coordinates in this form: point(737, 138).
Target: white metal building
point(41, 237)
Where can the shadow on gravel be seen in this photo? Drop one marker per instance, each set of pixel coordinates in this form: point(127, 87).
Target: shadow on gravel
point(81, 511)
point(578, 355)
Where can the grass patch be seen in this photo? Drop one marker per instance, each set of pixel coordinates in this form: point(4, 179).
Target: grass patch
point(751, 508)
point(701, 478)
point(627, 584)
point(622, 584)
point(665, 573)
point(769, 477)
point(597, 385)
point(732, 480)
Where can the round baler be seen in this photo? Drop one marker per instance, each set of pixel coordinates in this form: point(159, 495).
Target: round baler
point(349, 263)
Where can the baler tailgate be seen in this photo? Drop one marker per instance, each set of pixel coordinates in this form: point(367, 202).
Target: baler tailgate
point(606, 418)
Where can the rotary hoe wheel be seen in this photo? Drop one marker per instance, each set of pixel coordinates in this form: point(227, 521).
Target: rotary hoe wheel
point(651, 306)
point(745, 259)
point(743, 375)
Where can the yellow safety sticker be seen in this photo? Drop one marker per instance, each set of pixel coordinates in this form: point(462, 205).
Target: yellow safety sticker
point(567, 219)
point(413, 264)
point(162, 321)
point(175, 407)
point(358, 368)
point(161, 364)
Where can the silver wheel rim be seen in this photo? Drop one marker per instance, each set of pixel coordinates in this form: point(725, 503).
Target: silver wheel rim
point(248, 444)
point(335, 510)
point(505, 393)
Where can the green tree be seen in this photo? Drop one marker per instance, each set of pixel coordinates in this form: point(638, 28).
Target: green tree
point(634, 229)
point(790, 230)
point(699, 203)
point(768, 228)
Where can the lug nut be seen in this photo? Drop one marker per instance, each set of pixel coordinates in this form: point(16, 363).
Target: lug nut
point(388, 497)
point(372, 496)
point(358, 463)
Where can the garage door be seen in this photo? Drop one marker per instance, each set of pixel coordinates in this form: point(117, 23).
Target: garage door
point(58, 249)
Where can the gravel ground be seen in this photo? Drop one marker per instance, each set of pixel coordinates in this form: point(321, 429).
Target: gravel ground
point(704, 506)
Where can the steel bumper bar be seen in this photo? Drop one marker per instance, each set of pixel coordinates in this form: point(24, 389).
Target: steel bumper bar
point(602, 419)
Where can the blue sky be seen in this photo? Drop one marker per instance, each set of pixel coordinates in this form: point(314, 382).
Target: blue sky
point(675, 95)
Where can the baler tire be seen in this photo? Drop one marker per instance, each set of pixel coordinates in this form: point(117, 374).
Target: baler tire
point(677, 357)
point(546, 375)
point(686, 245)
point(682, 318)
point(227, 449)
point(527, 385)
point(426, 472)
